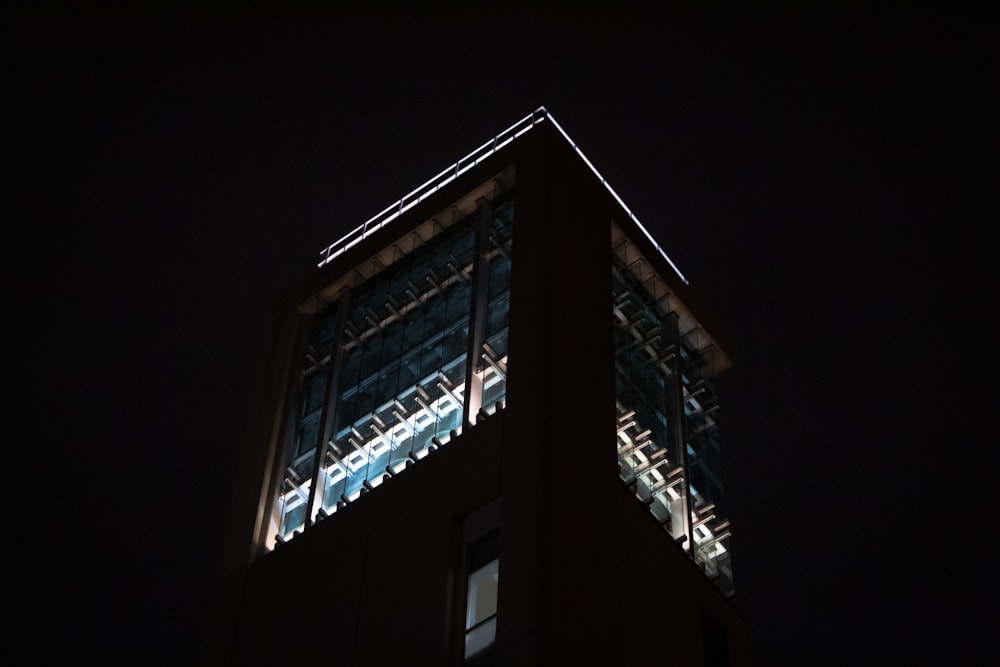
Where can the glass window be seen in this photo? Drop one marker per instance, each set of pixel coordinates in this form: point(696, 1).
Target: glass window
point(385, 374)
point(481, 598)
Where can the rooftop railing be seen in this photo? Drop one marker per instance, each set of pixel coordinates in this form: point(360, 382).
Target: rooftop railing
point(393, 211)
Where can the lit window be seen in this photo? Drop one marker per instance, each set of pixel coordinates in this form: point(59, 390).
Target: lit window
point(481, 608)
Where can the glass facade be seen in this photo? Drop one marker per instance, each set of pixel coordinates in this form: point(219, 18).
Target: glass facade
point(482, 587)
point(668, 447)
point(399, 365)
point(416, 349)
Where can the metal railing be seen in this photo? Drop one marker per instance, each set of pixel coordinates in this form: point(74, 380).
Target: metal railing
point(410, 200)
point(393, 211)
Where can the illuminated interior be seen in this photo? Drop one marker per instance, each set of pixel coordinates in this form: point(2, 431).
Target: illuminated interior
point(386, 377)
point(667, 430)
point(481, 607)
point(411, 347)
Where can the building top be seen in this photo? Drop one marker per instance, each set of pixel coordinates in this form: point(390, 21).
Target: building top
point(408, 201)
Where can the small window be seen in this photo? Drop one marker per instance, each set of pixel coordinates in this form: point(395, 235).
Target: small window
point(715, 640)
point(481, 597)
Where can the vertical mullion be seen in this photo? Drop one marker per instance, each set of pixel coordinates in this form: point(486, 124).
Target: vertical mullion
point(675, 413)
point(331, 398)
point(477, 312)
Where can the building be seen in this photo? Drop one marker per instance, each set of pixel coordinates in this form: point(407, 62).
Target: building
point(501, 372)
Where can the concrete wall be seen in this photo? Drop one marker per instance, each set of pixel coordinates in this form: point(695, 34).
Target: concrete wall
point(374, 583)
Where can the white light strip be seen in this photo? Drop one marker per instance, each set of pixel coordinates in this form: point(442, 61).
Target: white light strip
point(393, 211)
point(614, 194)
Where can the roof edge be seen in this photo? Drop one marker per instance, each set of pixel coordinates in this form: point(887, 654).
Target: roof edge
point(447, 175)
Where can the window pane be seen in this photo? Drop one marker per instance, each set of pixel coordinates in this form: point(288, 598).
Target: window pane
point(482, 601)
point(480, 638)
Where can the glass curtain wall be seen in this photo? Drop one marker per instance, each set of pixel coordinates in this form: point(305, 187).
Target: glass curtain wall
point(710, 527)
point(494, 352)
point(300, 464)
point(403, 382)
point(394, 386)
point(668, 450)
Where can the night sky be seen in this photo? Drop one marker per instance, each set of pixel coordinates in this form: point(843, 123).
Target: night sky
point(820, 177)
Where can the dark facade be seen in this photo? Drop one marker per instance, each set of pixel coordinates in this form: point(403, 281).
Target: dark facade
point(503, 372)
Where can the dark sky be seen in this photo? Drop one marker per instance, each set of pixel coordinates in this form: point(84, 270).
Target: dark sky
point(821, 178)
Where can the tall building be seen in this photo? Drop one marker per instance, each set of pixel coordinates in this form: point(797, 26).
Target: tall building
point(502, 373)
